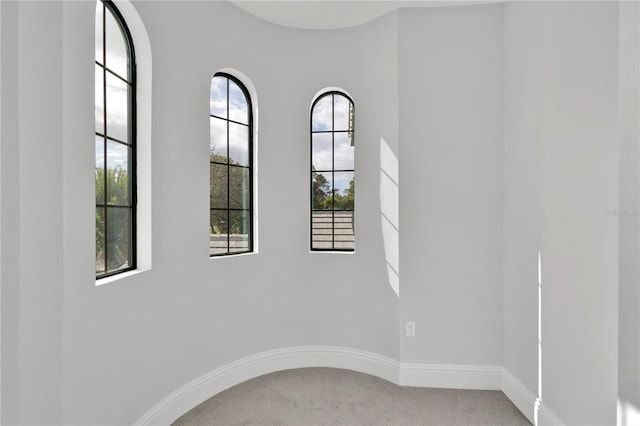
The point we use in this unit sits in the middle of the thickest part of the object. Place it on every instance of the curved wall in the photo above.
(131, 342)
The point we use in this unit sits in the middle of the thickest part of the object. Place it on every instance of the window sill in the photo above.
(110, 279)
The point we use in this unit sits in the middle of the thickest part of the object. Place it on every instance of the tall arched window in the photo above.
(230, 167)
(332, 173)
(115, 116)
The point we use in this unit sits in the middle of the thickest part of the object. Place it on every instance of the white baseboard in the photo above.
(486, 377)
(202, 388)
(519, 395)
(199, 390)
(525, 400)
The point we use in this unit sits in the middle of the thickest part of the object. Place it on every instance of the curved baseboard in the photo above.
(199, 390)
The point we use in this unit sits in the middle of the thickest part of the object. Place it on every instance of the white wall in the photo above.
(504, 120)
(563, 122)
(629, 232)
(451, 184)
(189, 314)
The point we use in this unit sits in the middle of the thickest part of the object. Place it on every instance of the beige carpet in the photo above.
(329, 396)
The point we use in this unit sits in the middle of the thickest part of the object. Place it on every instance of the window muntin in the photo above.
(332, 173)
(115, 154)
(230, 167)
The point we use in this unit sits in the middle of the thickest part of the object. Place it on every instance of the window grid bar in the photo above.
(228, 119)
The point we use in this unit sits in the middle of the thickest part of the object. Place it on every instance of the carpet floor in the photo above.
(329, 396)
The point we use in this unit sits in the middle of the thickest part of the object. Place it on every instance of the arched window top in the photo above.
(332, 172)
(332, 110)
(114, 44)
(231, 167)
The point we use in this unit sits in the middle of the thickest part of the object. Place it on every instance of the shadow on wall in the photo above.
(389, 213)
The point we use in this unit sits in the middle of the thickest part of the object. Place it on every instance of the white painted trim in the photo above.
(525, 401)
(450, 376)
(546, 417)
(518, 393)
(199, 390)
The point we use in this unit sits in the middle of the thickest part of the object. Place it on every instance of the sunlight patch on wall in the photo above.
(536, 407)
(628, 414)
(390, 214)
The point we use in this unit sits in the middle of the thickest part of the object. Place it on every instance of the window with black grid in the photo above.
(230, 167)
(332, 173)
(115, 154)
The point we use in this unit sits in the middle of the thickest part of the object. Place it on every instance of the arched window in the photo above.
(332, 173)
(115, 144)
(230, 167)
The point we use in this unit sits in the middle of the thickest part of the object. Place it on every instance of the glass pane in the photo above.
(118, 238)
(218, 186)
(217, 140)
(321, 117)
(100, 170)
(322, 230)
(99, 96)
(239, 188)
(238, 144)
(116, 47)
(218, 97)
(218, 232)
(344, 188)
(98, 37)
(240, 230)
(100, 242)
(343, 152)
(322, 151)
(321, 191)
(238, 107)
(117, 173)
(117, 108)
(341, 112)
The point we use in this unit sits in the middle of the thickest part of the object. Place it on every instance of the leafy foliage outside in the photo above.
(115, 239)
(237, 196)
(324, 196)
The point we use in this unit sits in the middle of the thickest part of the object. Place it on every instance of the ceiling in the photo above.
(332, 14)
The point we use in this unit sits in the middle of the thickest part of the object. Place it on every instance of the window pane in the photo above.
(98, 35)
(238, 108)
(343, 152)
(99, 96)
(116, 47)
(238, 144)
(218, 97)
(218, 186)
(117, 108)
(240, 229)
(321, 118)
(117, 173)
(343, 185)
(218, 140)
(239, 187)
(322, 151)
(100, 170)
(322, 229)
(322, 190)
(340, 112)
(100, 241)
(218, 232)
(118, 238)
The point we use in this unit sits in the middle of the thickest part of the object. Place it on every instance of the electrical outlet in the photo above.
(410, 328)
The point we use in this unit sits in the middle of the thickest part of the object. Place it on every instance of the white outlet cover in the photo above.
(410, 328)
